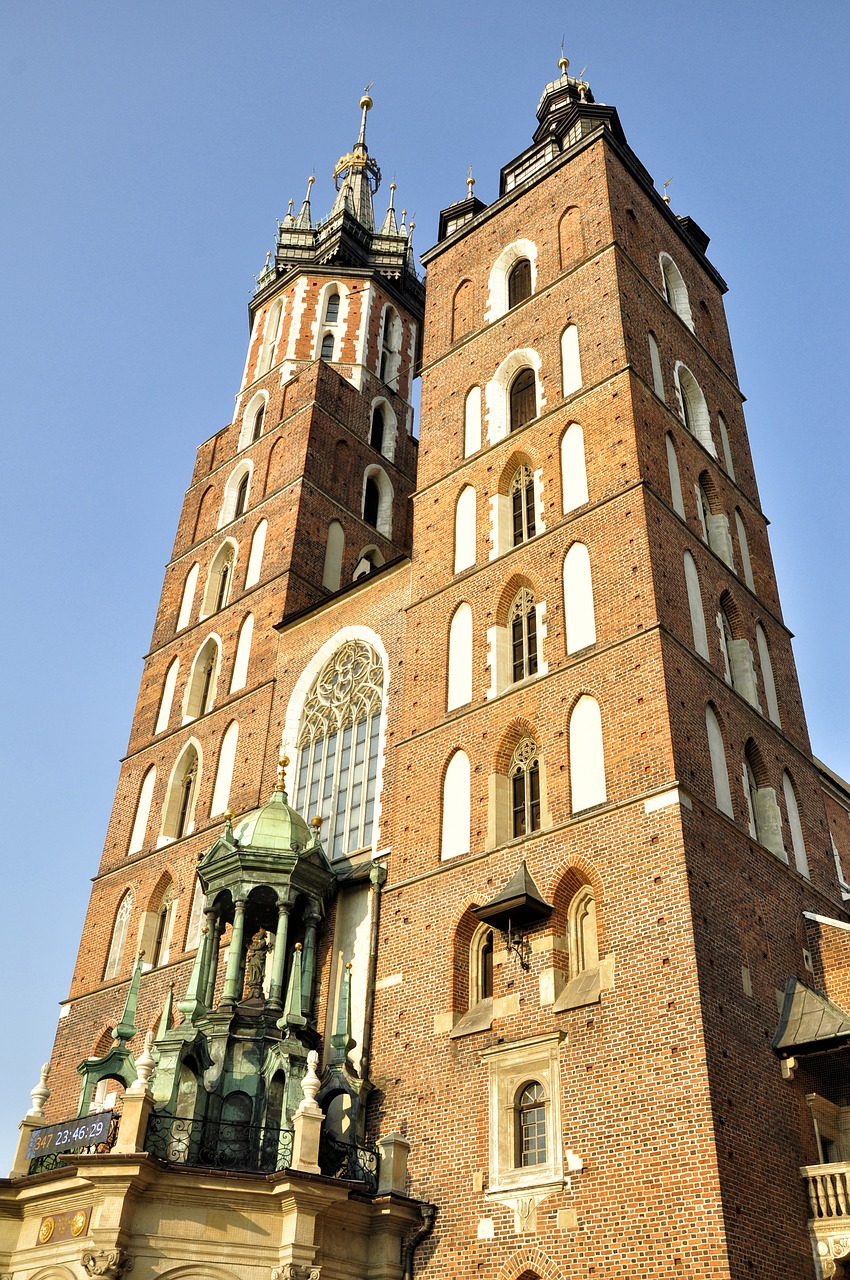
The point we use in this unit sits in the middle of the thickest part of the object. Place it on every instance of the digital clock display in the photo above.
(84, 1131)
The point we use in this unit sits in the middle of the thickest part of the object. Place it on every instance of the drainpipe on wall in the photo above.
(377, 877)
(428, 1214)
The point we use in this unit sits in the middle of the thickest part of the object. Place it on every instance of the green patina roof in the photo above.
(273, 826)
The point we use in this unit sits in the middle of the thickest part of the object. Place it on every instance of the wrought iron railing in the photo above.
(56, 1159)
(354, 1161)
(223, 1144)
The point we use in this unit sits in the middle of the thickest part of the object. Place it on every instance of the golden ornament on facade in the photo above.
(46, 1230)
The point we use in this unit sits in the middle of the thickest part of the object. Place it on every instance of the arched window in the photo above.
(241, 497)
(695, 607)
(188, 597)
(573, 469)
(522, 620)
(371, 502)
(338, 739)
(327, 349)
(727, 449)
(255, 557)
(524, 773)
(675, 481)
(390, 346)
(519, 282)
(378, 500)
(522, 399)
(582, 940)
(763, 814)
(579, 619)
(570, 237)
(465, 522)
(675, 290)
(162, 932)
(530, 1126)
(203, 517)
(587, 756)
(655, 361)
(271, 333)
(498, 283)
(224, 773)
(257, 427)
(767, 675)
(455, 838)
(472, 422)
(143, 809)
(179, 817)
(236, 493)
(570, 360)
(717, 756)
(481, 965)
(119, 937)
(332, 308)
(522, 505)
(459, 684)
(724, 626)
(376, 435)
(167, 698)
(714, 521)
(334, 549)
(243, 654)
(744, 548)
(220, 580)
(798, 844)
(201, 686)
(737, 654)
(694, 410)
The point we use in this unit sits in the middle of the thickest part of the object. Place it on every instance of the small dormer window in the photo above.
(519, 282)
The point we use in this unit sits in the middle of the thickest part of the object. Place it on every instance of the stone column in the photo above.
(231, 992)
(312, 918)
(279, 958)
(215, 929)
(307, 1121)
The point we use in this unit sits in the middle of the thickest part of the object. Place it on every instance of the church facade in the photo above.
(472, 904)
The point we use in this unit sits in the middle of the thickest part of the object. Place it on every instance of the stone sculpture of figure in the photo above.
(255, 965)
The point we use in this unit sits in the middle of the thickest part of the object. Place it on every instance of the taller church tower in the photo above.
(530, 959)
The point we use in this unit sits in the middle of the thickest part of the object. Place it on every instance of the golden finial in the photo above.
(316, 822)
(291, 207)
(268, 259)
(665, 197)
(350, 966)
(563, 62)
(470, 183)
(297, 946)
(229, 815)
(310, 180)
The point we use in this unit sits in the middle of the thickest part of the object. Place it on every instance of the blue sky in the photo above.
(147, 152)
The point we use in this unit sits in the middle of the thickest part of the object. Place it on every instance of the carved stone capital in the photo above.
(292, 1271)
(831, 1253)
(110, 1264)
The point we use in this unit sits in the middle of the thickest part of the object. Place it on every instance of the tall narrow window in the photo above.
(675, 290)
(465, 531)
(167, 698)
(224, 574)
(185, 796)
(143, 809)
(767, 680)
(719, 771)
(188, 597)
(522, 619)
(570, 238)
(259, 418)
(224, 773)
(727, 448)
(327, 351)
(579, 619)
(162, 935)
(523, 399)
(531, 1126)
(573, 468)
(456, 807)
(462, 305)
(337, 765)
(798, 843)
(332, 308)
(655, 361)
(587, 755)
(243, 655)
(119, 937)
(334, 550)
(582, 938)
(519, 282)
(472, 422)
(522, 505)
(744, 548)
(255, 557)
(570, 360)
(271, 333)
(694, 409)
(524, 772)
(695, 607)
(201, 687)
(390, 346)
(371, 502)
(376, 435)
(241, 497)
(459, 691)
(675, 481)
(179, 816)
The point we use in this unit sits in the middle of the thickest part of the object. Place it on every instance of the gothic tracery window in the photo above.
(525, 788)
(337, 767)
(531, 1125)
(119, 935)
(522, 620)
(522, 502)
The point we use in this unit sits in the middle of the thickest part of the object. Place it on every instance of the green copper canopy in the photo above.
(275, 825)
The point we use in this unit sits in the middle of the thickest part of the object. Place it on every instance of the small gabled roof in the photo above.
(809, 1021)
(520, 902)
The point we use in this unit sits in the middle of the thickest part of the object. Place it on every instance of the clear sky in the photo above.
(147, 151)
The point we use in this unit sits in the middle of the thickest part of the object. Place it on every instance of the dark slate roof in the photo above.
(520, 900)
(809, 1020)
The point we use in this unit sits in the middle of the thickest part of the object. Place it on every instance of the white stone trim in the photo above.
(497, 282)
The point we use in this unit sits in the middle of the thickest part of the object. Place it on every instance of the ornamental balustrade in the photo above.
(828, 1186)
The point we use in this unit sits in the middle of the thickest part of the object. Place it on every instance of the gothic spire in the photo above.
(304, 221)
(357, 177)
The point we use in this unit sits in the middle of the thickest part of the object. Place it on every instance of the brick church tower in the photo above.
(469, 872)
